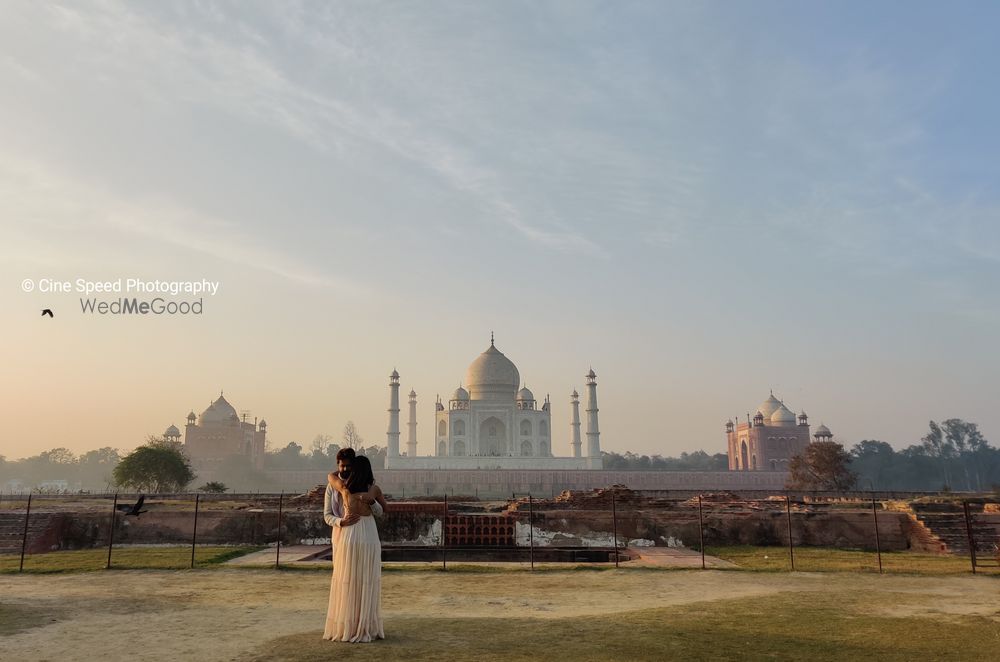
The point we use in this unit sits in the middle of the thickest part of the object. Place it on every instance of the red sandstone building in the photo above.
(771, 439)
(220, 435)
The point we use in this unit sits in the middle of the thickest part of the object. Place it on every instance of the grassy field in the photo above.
(122, 559)
(830, 625)
(257, 615)
(822, 559)
(762, 559)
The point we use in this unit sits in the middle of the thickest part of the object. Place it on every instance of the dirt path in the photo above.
(221, 614)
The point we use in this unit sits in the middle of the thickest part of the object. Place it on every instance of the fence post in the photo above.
(444, 533)
(701, 532)
(111, 531)
(878, 544)
(277, 549)
(194, 534)
(531, 532)
(614, 523)
(972, 539)
(24, 538)
(788, 510)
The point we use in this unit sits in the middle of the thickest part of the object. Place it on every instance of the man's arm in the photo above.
(331, 508)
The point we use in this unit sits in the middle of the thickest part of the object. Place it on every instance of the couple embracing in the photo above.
(352, 499)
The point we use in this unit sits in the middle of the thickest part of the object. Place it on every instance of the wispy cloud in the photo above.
(52, 205)
(239, 74)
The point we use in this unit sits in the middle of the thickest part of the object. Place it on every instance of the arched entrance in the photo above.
(492, 437)
(744, 457)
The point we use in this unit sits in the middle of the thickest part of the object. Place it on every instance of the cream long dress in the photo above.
(355, 610)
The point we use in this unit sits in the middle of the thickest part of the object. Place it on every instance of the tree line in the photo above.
(160, 465)
(953, 455)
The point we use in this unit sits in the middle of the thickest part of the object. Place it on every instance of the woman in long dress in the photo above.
(355, 610)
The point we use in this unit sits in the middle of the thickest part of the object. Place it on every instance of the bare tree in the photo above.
(320, 443)
(351, 437)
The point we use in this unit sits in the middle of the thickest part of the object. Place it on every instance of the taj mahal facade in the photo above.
(495, 423)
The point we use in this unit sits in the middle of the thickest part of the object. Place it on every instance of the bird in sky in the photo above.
(47, 311)
(135, 509)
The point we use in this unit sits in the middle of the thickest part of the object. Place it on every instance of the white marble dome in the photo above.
(460, 394)
(219, 411)
(823, 431)
(492, 376)
(172, 431)
(771, 405)
(782, 416)
(525, 394)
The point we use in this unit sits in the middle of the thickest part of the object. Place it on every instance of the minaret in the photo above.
(411, 426)
(392, 439)
(574, 425)
(593, 433)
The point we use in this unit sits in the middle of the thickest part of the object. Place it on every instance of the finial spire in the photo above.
(491, 339)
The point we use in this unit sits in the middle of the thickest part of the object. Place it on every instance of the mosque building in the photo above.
(219, 435)
(771, 439)
(494, 423)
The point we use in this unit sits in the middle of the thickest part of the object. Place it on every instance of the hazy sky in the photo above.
(701, 200)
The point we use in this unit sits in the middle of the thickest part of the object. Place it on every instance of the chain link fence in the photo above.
(877, 532)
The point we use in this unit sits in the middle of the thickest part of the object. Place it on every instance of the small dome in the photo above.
(525, 394)
(575, 395)
(263, 423)
(591, 374)
(460, 394)
(172, 431)
(191, 416)
(823, 431)
(394, 375)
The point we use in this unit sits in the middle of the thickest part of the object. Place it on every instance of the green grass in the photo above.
(122, 558)
(831, 625)
(822, 559)
(749, 558)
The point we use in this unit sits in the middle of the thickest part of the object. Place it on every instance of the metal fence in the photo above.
(789, 531)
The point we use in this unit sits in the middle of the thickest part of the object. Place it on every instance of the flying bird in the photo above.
(47, 311)
(135, 509)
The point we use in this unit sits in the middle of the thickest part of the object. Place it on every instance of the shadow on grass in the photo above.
(827, 626)
(18, 618)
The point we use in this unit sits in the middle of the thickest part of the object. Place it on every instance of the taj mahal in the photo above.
(495, 423)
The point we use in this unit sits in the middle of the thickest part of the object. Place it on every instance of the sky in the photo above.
(703, 201)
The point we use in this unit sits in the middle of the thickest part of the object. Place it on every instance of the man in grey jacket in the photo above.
(333, 507)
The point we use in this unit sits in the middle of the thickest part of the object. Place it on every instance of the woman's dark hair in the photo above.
(361, 477)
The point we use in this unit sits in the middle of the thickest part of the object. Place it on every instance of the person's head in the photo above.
(361, 477)
(345, 457)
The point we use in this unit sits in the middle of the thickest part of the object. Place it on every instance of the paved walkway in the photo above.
(675, 557)
(298, 554)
